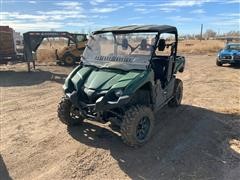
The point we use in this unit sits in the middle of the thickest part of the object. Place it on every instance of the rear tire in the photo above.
(66, 113)
(178, 94)
(137, 125)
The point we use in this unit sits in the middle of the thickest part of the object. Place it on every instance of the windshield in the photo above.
(233, 46)
(121, 51)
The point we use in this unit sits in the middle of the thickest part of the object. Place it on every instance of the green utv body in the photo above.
(124, 78)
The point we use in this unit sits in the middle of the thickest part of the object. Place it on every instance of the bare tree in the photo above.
(233, 33)
(210, 33)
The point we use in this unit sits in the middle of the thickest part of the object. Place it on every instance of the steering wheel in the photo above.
(133, 49)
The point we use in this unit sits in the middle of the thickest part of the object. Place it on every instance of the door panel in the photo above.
(161, 95)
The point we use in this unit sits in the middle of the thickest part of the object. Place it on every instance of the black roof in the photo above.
(139, 28)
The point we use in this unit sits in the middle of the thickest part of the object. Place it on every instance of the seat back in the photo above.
(143, 45)
(161, 44)
(159, 68)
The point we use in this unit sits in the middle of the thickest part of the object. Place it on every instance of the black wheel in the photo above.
(233, 64)
(218, 63)
(178, 94)
(137, 125)
(68, 114)
(69, 60)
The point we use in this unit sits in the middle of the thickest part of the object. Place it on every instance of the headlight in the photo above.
(118, 93)
(226, 57)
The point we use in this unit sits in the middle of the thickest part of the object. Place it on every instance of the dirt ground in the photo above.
(199, 140)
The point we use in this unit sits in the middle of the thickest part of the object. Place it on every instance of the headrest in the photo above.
(143, 45)
(124, 44)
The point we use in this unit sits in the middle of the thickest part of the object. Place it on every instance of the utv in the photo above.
(126, 74)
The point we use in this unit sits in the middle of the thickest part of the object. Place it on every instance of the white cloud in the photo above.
(167, 9)
(198, 11)
(105, 10)
(230, 14)
(184, 3)
(143, 10)
(22, 26)
(167, 6)
(140, 9)
(136, 4)
(70, 5)
(80, 24)
(113, 5)
(134, 18)
(180, 19)
(32, 2)
(98, 16)
(43, 16)
(21, 16)
(40, 20)
(231, 2)
(96, 2)
(63, 13)
(227, 22)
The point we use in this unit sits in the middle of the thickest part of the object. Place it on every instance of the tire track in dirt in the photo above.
(191, 142)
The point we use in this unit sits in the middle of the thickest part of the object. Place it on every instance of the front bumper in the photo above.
(234, 59)
(100, 105)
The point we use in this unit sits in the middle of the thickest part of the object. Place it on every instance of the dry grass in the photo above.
(200, 47)
(235, 145)
(46, 51)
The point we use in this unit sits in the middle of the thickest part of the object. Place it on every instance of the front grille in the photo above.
(90, 96)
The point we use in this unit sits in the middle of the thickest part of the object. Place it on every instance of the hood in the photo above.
(104, 79)
(92, 78)
(229, 52)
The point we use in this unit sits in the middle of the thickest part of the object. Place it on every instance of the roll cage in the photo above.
(164, 67)
(159, 29)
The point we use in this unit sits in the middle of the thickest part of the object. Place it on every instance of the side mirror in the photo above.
(161, 45)
(124, 44)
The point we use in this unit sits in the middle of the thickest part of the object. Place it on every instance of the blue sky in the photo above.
(84, 16)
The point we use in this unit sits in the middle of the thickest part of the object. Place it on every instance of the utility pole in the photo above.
(201, 32)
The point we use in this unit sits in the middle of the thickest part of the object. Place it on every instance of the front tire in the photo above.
(137, 125)
(218, 63)
(67, 113)
(178, 94)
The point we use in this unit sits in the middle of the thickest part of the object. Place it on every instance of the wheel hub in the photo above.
(74, 113)
(69, 60)
(143, 128)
